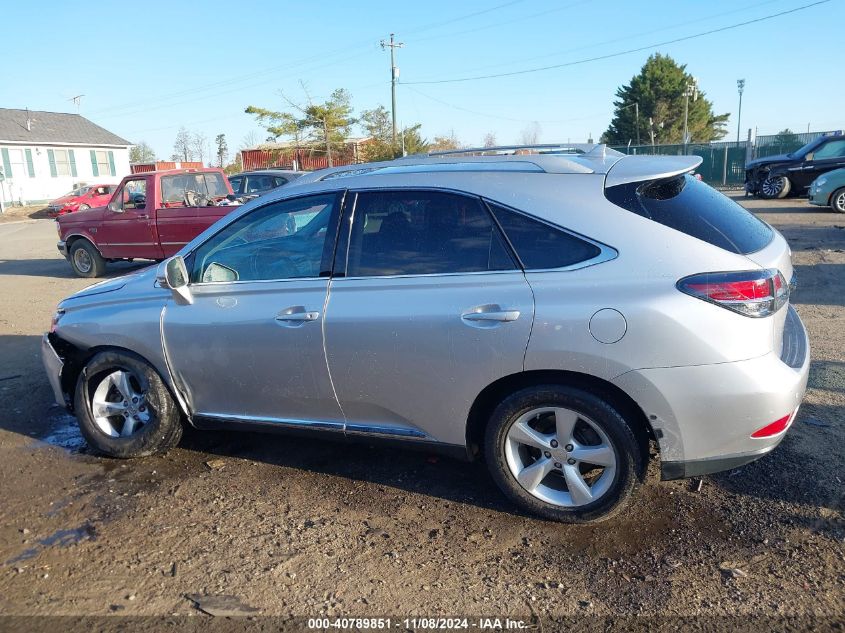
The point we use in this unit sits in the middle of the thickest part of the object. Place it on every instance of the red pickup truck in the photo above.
(150, 216)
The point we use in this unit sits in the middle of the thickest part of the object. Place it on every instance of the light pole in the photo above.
(740, 86)
(691, 90)
(394, 74)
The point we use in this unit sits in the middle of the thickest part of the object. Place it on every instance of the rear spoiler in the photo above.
(640, 168)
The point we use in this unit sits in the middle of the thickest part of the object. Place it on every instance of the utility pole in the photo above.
(394, 75)
(637, 112)
(691, 90)
(740, 86)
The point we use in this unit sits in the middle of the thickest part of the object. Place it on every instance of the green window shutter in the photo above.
(52, 158)
(94, 169)
(29, 168)
(111, 163)
(72, 160)
(7, 166)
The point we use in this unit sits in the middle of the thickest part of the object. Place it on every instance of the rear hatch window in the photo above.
(688, 205)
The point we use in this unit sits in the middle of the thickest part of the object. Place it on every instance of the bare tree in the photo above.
(530, 134)
(199, 143)
(182, 146)
(490, 139)
(249, 141)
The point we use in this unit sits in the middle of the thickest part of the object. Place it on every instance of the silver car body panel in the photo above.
(392, 355)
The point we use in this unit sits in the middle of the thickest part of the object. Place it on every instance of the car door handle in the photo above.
(143, 217)
(296, 314)
(490, 313)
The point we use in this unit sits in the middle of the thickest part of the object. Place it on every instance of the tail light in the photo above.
(753, 293)
(776, 427)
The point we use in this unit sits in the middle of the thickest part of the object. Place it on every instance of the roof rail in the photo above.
(544, 148)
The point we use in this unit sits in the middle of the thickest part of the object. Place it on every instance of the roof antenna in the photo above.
(77, 100)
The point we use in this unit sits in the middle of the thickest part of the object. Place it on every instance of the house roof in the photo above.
(53, 127)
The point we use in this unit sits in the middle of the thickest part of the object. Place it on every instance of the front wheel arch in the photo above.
(490, 397)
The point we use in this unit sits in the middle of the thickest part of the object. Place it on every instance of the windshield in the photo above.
(81, 191)
(798, 153)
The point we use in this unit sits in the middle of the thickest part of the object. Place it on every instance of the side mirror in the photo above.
(231, 197)
(172, 273)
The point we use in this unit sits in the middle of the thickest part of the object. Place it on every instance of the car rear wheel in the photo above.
(775, 187)
(837, 200)
(563, 453)
(86, 260)
(124, 408)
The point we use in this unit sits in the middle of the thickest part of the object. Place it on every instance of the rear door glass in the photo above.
(539, 245)
(688, 205)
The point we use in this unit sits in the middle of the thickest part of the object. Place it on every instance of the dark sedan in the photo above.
(251, 184)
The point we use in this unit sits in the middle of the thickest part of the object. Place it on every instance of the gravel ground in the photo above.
(296, 527)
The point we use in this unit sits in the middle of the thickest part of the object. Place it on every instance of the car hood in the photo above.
(63, 200)
(88, 216)
(142, 278)
(769, 160)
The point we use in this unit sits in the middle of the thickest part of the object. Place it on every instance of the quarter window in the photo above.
(283, 240)
(539, 245)
(423, 232)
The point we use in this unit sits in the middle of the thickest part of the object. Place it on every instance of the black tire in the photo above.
(775, 187)
(86, 260)
(630, 457)
(163, 427)
(837, 200)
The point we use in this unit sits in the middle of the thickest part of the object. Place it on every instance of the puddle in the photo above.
(60, 538)
(65, 434)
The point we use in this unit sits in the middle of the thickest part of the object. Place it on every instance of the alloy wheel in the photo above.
(772, 187)
(119, 404)
(560, 456)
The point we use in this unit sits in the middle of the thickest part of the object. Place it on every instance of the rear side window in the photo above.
(423, 233)
(692, 207)
(539, 245)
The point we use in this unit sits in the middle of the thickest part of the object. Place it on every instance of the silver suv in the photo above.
(551, 313)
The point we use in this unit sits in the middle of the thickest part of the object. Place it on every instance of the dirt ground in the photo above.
(307, 528)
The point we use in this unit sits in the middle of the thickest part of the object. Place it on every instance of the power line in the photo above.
(526, 71)
(436, 25)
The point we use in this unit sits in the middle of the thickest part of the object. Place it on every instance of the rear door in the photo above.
(426, 308)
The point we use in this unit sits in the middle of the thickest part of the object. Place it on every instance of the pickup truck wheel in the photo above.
(775, 187)
(124, 408)
(837, 200)
(86, 260)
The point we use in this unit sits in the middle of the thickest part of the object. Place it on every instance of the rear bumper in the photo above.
(704, 415)
(53, 365)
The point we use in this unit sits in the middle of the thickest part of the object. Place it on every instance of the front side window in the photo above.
(257, 184)
(832, 149)
(133, 195)
(283, 240)
(193, 189)
(539, 245)
(421, 233)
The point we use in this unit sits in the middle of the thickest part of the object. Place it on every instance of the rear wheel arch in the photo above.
(490, 397)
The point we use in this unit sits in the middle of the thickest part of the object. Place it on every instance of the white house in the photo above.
(44, 155)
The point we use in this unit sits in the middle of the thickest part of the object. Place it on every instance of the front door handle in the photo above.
(490, 313)
(296, 315)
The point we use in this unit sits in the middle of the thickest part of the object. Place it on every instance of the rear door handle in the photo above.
(296, 315)
(490, 313)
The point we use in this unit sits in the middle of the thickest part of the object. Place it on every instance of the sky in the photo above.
(145, 69)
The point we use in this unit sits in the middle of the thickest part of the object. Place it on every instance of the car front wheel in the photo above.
(563, 453)
(775, 187)
(837, 200)
(86, 260)
(124, 408)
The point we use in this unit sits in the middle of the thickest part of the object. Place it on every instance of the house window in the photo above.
(62, 162)
(17, 164)
(103, 164)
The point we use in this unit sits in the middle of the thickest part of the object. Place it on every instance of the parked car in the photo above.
(81, 199)
(785, 174)
(551, 314)
(829, 190)
(251, 184)
(149, 216)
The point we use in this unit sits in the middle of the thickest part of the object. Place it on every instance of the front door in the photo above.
(427, 308)
(127, 229)
(829, 156)
(250, 346)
